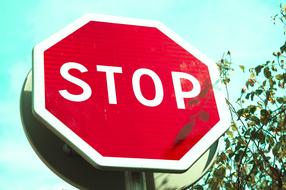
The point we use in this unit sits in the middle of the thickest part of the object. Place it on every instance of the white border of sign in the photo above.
(87, 151)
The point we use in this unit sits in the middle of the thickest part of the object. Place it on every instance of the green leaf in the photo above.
(227, 143)
(252, 96)
(267, 97)
(213, 184)
(229, 186)
(258, 69)
(276, 149)
(279, 77)
(281, 100)
(283, 48)
(270, 141)
(263, 112)
(274, 68)
(251, 123)
(264, 116)
(240, 112)
(233, 126)
(271, 82)
(258, 92)
(267, 72)
(238, 155)
(230, 134)
(247, 96)
(242, 67)
(252, 108)
(198, 187)
(220, 173)
(261, 137)
(264, 83)
(255, 119)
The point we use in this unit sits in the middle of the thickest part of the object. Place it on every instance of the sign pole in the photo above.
(135, 180)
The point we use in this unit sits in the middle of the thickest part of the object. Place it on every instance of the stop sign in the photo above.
(128, 93)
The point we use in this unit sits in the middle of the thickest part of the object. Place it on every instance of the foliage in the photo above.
(255, 144)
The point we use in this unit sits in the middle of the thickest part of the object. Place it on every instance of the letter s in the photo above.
(66, 75)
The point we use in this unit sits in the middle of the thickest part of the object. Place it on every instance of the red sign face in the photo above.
(128, 93)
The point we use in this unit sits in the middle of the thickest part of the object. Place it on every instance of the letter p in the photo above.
(179, 93)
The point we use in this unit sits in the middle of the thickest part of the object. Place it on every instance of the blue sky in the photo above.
(213, 26)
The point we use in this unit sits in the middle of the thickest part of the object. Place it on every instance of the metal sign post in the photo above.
(135, 180)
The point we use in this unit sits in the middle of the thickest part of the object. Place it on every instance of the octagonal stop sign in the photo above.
(128, 93)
